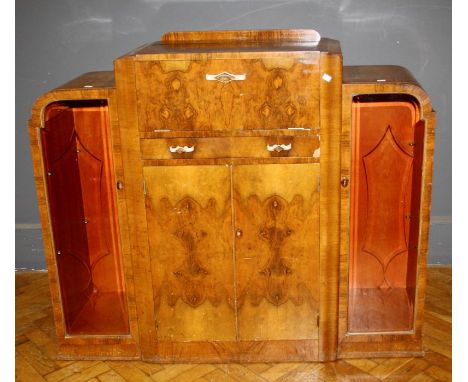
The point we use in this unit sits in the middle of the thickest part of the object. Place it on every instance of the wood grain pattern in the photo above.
(277, 248)
(189, 218)
(383, 174)
(35, 340)
(191, 226)
(330, 124)
(175, 95)
(83, 212)
(232, 147)
(301, 35)
(363, 80)
(113, 346)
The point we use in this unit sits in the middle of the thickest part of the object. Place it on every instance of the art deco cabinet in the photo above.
(236, 196)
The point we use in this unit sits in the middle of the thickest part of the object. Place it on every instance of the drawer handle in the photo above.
(181, 149)
(225, 77)
(279, 148)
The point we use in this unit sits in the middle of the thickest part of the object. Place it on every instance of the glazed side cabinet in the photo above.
(236, 196)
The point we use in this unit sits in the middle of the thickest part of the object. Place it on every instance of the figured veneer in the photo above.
(189, 214)
(196, 202)
(95, 94)
(394, 112)
(276, 216)
(176, 95)
(272, 146)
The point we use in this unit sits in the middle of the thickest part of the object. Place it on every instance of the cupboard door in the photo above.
(387, 151)
(276, 214)
(189, 219)
(83, 212)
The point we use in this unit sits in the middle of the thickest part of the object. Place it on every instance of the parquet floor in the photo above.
(35, 349)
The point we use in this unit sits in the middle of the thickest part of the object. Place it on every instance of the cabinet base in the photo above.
(242, 351)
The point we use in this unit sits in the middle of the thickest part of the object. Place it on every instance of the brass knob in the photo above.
(344, 181)
(238, 232)
(120, 185)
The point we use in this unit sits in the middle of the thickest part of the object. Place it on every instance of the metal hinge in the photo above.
(318, 320)
(318, 183)
(145, 190)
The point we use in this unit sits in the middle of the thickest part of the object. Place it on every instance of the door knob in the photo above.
(238, 232)
(344, 181)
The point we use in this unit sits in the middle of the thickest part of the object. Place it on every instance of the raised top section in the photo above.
(194, 45)
(299, 35)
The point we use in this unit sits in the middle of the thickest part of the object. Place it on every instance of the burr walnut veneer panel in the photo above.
(274, 93)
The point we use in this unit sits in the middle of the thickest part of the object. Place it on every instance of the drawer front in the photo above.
(231, 147)
(228, 94)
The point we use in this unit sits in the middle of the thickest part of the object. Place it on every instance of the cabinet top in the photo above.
(269, 40)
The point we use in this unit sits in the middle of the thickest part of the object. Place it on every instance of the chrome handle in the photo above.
(225, 77)
(181, 149)
(279, 148)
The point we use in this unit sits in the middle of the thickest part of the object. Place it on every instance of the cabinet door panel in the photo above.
(189, 218)
(275, 94)
(277, 250)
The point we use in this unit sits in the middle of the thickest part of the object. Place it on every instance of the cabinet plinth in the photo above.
(235, 196)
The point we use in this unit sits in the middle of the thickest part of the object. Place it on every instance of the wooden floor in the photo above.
(35, 349)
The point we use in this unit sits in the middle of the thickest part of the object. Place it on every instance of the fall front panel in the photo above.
(270, 93)
(78, 164)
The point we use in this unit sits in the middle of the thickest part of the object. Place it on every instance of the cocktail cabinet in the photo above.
(236, 196)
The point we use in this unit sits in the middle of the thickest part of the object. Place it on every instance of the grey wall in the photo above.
(57, 40)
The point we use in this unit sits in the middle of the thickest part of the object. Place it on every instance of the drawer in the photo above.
(228, 94)
(231, 147)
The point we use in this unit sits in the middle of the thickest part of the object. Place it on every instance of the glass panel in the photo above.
(83, 211)
(387, 140)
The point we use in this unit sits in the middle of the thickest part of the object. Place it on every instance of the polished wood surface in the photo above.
(231, 147)
(277, 93)
(378, 74)
(229, 124)
(398, 84)
(227, 153)
(384, 203)
(90, 80)
(117, 346)
(83, 212)
(36, 349)
(276, 220)
(189, 214)
(330, 124)
(236, 43)
(302, 35)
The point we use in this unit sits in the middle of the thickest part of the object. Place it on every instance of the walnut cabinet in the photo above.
(236, 196)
